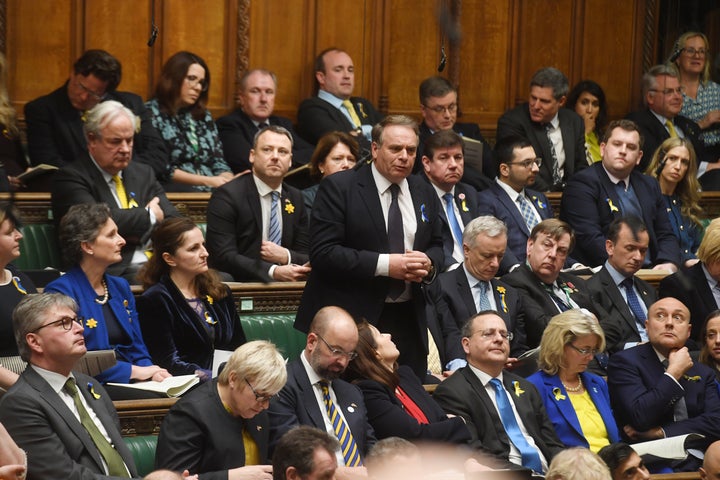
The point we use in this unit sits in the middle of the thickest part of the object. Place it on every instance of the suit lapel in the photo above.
(612, 291)
(253, 198)
(509, 205)
(460, 198)
(288, 213)
(465, 290)
(308, 394)
(564, 405)
(608, 192)
(370, 196)
(487, 404)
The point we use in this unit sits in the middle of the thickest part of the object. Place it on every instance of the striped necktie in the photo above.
(342, 431)
(274, 230)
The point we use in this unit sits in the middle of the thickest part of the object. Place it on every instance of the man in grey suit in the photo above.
(64, 420)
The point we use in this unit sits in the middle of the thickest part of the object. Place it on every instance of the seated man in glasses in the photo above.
(314, 395)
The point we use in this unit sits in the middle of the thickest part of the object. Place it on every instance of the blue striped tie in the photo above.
(274, 233)
(342, 432)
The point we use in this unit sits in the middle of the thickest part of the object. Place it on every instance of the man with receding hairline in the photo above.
(710, 469)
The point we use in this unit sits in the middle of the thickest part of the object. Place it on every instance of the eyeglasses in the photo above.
(584, 351)
(96, 96)
(452, 108)
(258, 397)
(691, 52)
(491, 332)
(194, 81)
(336, 351)
(65, 322)
(527, 163)
(669, 91)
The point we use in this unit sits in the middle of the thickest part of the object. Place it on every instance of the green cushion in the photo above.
(277, 328)
(38, 247)
(143, 451)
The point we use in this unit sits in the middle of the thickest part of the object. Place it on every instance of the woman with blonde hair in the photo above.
(577, 464)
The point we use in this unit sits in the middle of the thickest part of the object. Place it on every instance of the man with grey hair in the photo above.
(108, 174)
(64, 420)
(557, 134)
(256, 101)
(471, 288)
(257, 224)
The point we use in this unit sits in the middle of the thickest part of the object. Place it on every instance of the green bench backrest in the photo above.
(276, 328)
(38, 247)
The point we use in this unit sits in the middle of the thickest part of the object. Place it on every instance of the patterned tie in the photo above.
(274, 231)
(396, 238)
(115, 464)
(483, 302)
(561, 304)
(530, 456)
(671, 129)
(452, 219)
(353, 114)
(635, 307)
(262, 125)
(680, 408)
(557, 179)
(527, 212)
(342, 431)
(120, 190)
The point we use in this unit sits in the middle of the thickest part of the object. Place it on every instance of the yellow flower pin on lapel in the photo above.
(289, 207)
(91, 323)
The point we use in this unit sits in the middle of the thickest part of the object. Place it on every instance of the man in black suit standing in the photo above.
(334, 108)
(439, 108)
(55, 121)
(376, 236)
(256, 224)
(443, 164)
(64, 420)
(503, 411)
(257, 101)
(557, 134)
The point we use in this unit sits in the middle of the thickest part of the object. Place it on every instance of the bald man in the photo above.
(710, 469)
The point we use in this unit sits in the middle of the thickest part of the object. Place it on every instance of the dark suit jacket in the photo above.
(691, 288)
(643, 396)
(296, 405)
(82, 182)
(237, 132)
(654, 133)
(590, 203)
(561, 412)
(348, 233)
(606, 294)
(316, 117)
(517, 122)
(199, 435)
(496, 202)
(57, 444)
(463, 394)
(389, 418)
(55, 135)
(234, 229)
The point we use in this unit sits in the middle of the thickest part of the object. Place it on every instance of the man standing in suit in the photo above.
(443, 164)
(55, 121)
(613, 188)
(256, 224)
(65, 421)
(557, 134)
(657, 390)
(509, 199)
(459, 294)
(334, 108)
(106, 173)
(625, 297)
(256, 104)
(376, 236)
(314, 394)
(439, 107)
(503, 411)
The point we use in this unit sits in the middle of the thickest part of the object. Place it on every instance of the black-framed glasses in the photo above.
(452, 108)
(584, 351)
(65, 322)
(692, 52)
(194, 81)
(336, 351)
(528, 163)
(258, 397)
(491, 332)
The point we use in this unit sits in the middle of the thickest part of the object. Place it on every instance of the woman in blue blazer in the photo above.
(576, 401)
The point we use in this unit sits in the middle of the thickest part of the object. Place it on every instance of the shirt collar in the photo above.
(484, 377)
(711, 281)
(311, 373)
(509, 190)
(104, 174)
(660, 118)
(330, 98)
(383, 183)
(56, 380)
(617, 277)
(615, 179)
(263, 188)
(555, 122)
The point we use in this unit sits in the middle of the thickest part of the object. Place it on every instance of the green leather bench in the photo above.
(38, 247)
(143, 451)
(276, 328)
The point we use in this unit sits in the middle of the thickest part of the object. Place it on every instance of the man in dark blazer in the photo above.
(443, 167)
(517, 169)
(138, 207)
(256, 103)
(653, 401)
(55, 121)
(365, 263)
(613, 188)
(439, 108)
(626, 246)
(330, 346)
(542, 121)
(39, 411)
(335, 77)
(240, 217)
(467, 393)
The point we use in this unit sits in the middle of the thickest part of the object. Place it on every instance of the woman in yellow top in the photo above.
(587, 99)
(577, 402)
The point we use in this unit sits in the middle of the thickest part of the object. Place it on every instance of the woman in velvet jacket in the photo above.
(186, 312)
(397, 404)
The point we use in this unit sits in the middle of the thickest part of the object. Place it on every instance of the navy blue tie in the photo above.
(635, 307)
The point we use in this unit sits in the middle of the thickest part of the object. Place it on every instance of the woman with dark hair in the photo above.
(674, 164)
(397, 404)
(587, 99)
(90, 241)
(186, 312)
(710, 351)
(334, 152)
(179, 113)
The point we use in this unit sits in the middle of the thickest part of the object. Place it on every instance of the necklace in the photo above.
(104, 299)
(575, 389)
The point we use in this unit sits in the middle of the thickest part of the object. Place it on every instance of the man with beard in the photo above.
(314, 395)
